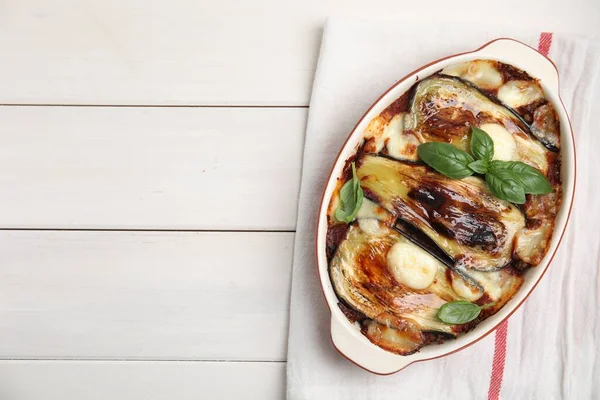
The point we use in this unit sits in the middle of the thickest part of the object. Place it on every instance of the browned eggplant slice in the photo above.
(370, 280)
(516, 90)
(461, 216)
(443, 108)
(546, 126)
(363, 278)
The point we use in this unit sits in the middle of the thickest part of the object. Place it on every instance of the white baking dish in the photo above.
(346, 336)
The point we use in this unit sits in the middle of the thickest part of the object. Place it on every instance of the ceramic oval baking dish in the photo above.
(346, 337)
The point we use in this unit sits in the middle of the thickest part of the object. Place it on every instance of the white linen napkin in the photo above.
(550, 348)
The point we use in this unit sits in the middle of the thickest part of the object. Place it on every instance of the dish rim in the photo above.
(558, 234)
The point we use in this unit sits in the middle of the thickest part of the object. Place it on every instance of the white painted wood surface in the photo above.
(93, 380)
(210, 52)
(150, 168)
(144, 295)
(114, 313)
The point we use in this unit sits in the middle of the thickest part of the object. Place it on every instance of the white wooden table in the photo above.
(150, 161)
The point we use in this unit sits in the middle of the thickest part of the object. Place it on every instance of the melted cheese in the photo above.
(481, 73)
(400, 144)
(505, 147)
(402, 341)
(464, 290)
(412, 266)
(520, 93)
(369, 216)
(373, 227)
(531, 244)
(368, 209)
(492, 282)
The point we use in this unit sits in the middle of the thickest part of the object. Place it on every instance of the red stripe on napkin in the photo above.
(498, 363)
(502, 331)
(545, 43)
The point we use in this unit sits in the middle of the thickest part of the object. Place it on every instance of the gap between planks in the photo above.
(143, 360)
(156, 105)
(149, 230)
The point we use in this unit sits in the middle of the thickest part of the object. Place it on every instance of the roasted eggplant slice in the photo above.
(364, 279)
(443, 109)
(546, 126)
(398, 288)
(517, 91)
(461, 216)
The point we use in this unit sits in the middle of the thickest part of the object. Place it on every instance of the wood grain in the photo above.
(150, 168)
(144, 295)
(261, 52)
(147, 296)
(93, 380)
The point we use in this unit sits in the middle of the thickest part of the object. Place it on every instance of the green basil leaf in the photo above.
(482, 145)
(351, 198)
(479, 166)
(458, 312)
(347, 202)
(446, 159)
(504, 185)
(532, 180)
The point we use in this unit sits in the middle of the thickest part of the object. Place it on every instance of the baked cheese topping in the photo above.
(412, 266)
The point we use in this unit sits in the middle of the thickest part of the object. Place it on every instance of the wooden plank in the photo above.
(207, 52)
(152, 52)
(94, 380)
(150, 168)
(144, 295)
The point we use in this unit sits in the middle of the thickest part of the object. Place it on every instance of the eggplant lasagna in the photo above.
(385, 265)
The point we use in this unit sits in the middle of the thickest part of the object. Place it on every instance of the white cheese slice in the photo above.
(481, 73)
(373, 227)
(531, 243)
(505, 147)
(374, 131)
(400, 144)
(369, 216)
(492, 282)
(464, 290)
(412, 266)
(519, 93)
(369, 209)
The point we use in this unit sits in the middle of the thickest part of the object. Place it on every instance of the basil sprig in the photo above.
(507, 180)
(351, 198)
(460, 312)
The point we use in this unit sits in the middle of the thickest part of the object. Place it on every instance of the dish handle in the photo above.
(357, 348)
